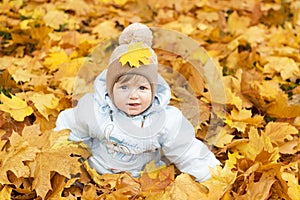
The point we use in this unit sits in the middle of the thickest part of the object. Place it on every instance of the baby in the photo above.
(127, 121)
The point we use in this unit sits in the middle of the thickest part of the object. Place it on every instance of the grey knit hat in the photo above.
(134, 33)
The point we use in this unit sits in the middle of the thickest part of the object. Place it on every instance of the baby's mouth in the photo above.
(133, 104)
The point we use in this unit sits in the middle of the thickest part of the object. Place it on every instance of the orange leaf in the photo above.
(156, 179)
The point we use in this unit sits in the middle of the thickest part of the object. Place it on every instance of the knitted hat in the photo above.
(131, 35)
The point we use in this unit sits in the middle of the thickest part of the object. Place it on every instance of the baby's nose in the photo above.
(133, 93)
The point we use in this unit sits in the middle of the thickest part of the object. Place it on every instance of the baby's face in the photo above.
(133, 96)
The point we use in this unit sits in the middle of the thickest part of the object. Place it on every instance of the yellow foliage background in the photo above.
(50, 55)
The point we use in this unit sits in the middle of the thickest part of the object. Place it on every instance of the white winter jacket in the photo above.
(120, 143)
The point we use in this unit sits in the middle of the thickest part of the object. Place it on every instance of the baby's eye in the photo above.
(143, 88)
(123, 87)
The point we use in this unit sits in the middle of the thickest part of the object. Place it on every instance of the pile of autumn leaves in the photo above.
(255, 46)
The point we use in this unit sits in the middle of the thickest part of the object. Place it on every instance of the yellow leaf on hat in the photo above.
(136, 54)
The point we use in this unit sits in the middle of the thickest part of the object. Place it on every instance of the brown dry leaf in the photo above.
(104, 180)
(290, 147)
(233, 159)
(233, 99)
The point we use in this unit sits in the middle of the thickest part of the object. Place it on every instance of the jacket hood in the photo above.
(161, 98)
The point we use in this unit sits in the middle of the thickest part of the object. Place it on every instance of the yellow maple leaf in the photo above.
(293, 185)
(105, 29)
(104, 180)
(15, 106)
(233, 99)
(259, 189)
(184, 187)
(14, 159)
(240, 119)
(56, 59)
(280, 131)
(238, 24)
(232, 159)
(136, 54)
(287, 67)
(54, 18)
(259, 147)
(220, 182)
(5, 192)
(53, 156)
(222, 138)
(45, 103)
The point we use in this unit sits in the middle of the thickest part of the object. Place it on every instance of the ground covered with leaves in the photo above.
(255, 45)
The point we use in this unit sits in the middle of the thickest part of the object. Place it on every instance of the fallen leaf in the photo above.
(279, 132)
(155, 179)
(5, 192)
(238, 24)
(55, 18)
(294, 187)
(259, 189)
(220, 182)
(55, 59)
(105, 180)
(46, 104)
(287, 67)
(222, 138)
(184, 187)
(15, 106)
(13, 159)
(126, 187)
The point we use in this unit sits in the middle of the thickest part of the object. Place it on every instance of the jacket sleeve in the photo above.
(76, 119)
(182, 148)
